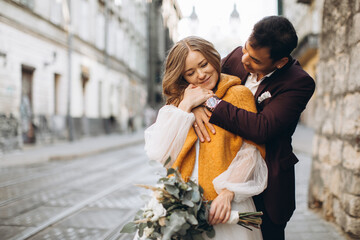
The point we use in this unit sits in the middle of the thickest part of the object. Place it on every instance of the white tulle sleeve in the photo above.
(167, 135)
(246, 176)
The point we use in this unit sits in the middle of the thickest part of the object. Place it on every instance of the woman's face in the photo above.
(199, 71)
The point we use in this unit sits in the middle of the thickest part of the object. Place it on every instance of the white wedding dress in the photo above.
(246, 175)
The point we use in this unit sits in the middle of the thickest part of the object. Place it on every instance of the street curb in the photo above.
(94, 152)
(68, 151)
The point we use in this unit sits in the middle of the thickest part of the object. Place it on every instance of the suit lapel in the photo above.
(273, 76)
(244, 77)
(262, 87)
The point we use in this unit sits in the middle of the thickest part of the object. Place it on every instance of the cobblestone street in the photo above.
(85, 191)
(306, 224)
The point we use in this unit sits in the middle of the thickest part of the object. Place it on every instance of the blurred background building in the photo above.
(70, 69)
(306, 16)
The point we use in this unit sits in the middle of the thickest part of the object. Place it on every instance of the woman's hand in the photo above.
(202, 116)
(194, 96)
(220, 208)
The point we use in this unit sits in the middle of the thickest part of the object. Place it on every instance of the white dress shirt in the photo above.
(252, 83)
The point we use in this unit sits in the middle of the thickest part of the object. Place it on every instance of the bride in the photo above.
(230, 169)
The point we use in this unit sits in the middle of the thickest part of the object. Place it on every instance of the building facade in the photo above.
(163, 19)
(306, 16)
(70, 69)
(335, 178)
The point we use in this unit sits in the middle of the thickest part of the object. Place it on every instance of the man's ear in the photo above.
(280, 63)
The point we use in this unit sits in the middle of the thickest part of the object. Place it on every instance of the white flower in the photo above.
(148, 213)
(156, 208)
(264, 96)
(148, 231)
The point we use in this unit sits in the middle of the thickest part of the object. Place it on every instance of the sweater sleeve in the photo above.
(246, 176)
(167, 135)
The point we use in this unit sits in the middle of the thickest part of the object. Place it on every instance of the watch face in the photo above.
(211, 102)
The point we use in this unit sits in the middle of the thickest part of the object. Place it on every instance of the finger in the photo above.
(215, 217)
(208, 95)
(227, 217)
(211, 127)
(203, 130)
(198, 132)
(208, 113)
(221, 216)
(211, 215)
(217, 208)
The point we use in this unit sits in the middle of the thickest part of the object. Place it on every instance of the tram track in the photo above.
(73, 177)
(112, 234)
(46, 172)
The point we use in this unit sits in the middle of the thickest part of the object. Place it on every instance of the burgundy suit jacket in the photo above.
(291, 88)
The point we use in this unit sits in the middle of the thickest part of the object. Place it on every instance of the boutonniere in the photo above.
(264, 96)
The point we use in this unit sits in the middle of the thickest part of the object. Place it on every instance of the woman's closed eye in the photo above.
(189, 74)
(204, 65)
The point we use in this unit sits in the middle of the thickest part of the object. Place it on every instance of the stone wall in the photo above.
(335, 177)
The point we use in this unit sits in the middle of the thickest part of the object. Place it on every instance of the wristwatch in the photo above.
(212, 102)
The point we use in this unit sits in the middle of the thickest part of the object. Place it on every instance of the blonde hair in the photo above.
(173, 82)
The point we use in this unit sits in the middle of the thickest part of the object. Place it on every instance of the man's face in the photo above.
(257, 61)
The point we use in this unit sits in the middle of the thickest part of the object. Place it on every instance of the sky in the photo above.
(214, 14)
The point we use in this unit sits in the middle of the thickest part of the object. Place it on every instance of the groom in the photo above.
(281, 89)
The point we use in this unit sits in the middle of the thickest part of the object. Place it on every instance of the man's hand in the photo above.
(202, 116)
(220, 209)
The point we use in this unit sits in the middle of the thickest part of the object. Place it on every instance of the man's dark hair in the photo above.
(276, 33)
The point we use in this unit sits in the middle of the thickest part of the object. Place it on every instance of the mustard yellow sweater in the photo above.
(216, 156)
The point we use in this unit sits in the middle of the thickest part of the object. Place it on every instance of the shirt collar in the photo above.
(267, 75)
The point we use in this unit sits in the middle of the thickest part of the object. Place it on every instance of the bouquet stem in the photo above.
(250, 219)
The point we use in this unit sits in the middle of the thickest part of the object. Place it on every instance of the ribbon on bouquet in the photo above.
(234, 218)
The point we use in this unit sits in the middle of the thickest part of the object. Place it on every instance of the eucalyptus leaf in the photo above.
(129, 228)
(187, 202)
(177, 220)
(201, 190)
(184, 229)
(195, 197)
(164, 179)
(192, 220)
(139, 215)
(173, 206)
(142, 226)
(170, 182)
(197, 237)
(211, 234)
(167, 161)
(173, 190)
(170, 171)
(188, 195)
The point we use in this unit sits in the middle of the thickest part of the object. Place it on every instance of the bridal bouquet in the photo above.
(177, 210)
